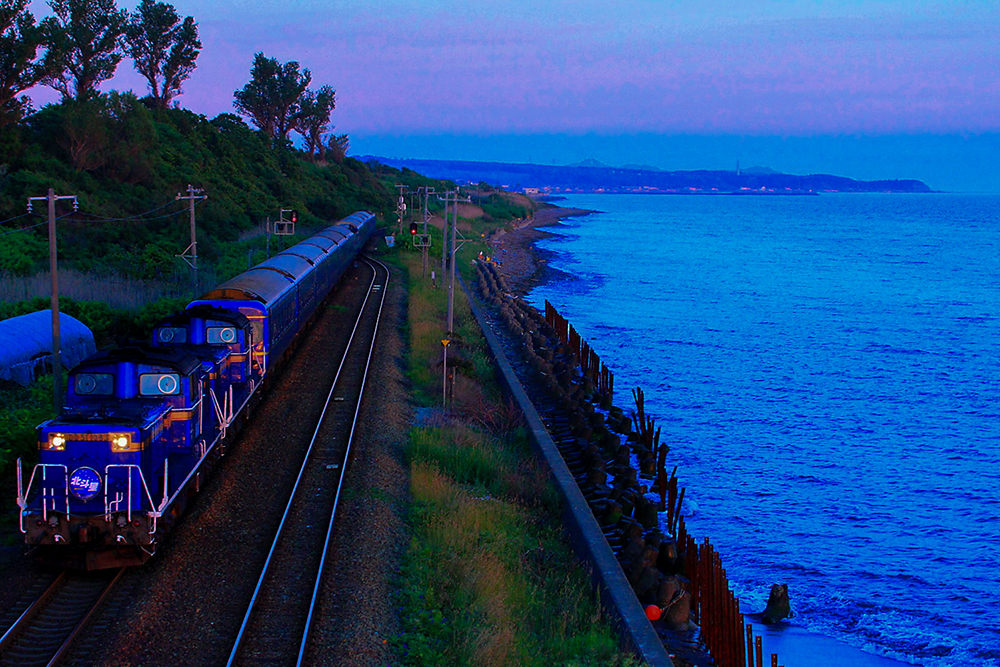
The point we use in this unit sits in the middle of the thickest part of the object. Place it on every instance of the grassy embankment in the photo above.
(489, 578)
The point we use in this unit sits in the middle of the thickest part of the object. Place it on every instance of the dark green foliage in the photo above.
(107, 324)
(162, 47)
(84, 38)
(313, 119)
(122, 159)
(271, 98)
(21, 410)
(20, 68)
(498, 206)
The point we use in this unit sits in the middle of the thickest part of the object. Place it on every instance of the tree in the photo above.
(86, 36)
(337, 145)
(163, 47)
(271, 98)
(20, 67)
(313, 118)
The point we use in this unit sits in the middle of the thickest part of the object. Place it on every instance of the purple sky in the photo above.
(484, 68)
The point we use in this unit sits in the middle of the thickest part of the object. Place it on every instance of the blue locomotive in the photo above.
(144, 422)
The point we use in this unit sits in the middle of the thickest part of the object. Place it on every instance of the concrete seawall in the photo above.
(588, 541)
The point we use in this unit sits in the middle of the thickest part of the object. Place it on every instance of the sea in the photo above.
(825, 372)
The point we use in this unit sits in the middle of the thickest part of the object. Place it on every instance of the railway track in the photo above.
(276, 625)
(51, 626)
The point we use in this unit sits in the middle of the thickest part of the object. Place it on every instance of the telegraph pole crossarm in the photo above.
(52, 198)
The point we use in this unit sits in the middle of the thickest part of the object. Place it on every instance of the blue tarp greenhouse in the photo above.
(26, 345)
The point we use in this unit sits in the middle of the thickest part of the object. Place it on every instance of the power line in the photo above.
(17, 217)
(22, 229)
(94, 218)
(137, 216)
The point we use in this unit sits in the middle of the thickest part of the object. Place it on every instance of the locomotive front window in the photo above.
(94, 384)
(159, 384)
(225, 335)
(172, 335)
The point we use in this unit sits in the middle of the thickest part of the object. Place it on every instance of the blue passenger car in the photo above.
(270, 293)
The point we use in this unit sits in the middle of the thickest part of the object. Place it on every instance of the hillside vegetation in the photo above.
(127, 163)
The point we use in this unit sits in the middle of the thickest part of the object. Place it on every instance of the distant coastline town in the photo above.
(591, 177)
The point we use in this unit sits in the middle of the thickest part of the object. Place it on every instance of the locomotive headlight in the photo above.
(57, 442)
(121, 442)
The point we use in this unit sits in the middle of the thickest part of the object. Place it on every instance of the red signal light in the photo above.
(413, 228)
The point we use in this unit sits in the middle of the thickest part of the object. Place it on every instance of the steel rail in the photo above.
(85, 621)
(44, 603)
(292, 496)
(24, 620)
(343, 468)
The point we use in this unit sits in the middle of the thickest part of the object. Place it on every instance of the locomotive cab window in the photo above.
(159, 384)
(172, 335)
(94, 384)
(225, 335)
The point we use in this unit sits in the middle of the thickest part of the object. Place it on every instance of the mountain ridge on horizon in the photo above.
(594, 176)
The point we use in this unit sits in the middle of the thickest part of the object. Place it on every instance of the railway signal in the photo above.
(286, 227)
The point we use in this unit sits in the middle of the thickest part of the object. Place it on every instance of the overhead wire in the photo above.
(93, 218)
(137, 216)
(23, 229)
(16, 217)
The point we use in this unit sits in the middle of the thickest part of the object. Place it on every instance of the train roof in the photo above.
(136, 413)
(358, 219)
(141, 353)
(336, 233)
(310, 252)
(291, 265)
(322, 242)
(268, 281)
(257, 284)
(206, 312)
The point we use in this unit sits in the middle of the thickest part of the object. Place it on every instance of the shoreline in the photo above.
(523, 264)
(525, 267)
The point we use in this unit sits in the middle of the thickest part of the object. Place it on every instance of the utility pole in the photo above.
(51, 198)
(193, 195)
(423, 241)
(444, 233)
(452, 196)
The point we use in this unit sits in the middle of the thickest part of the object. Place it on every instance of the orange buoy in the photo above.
(653, 612)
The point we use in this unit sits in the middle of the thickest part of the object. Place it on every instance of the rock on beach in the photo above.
(523, 265)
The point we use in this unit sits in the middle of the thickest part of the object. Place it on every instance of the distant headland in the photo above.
(591, 176)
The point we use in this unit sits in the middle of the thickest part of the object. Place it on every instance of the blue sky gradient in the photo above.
(796, 85)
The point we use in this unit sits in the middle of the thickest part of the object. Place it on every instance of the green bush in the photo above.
(21, 410)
